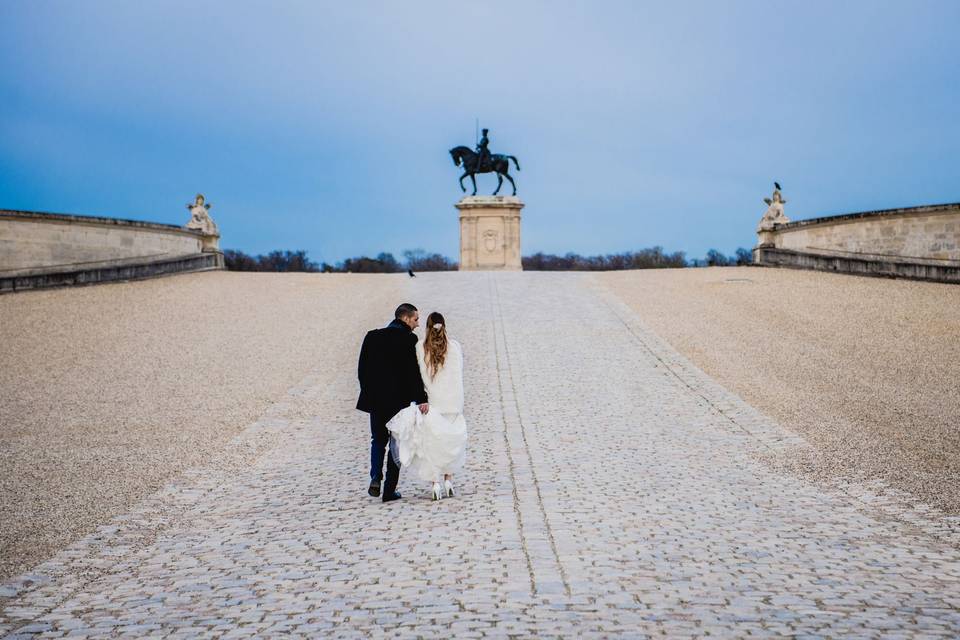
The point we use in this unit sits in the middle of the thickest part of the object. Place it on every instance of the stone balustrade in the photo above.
(913, 242)
(50, 249)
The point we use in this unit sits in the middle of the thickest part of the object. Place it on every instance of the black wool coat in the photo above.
(388, 371)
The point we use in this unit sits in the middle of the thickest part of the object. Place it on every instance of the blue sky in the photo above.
(325, 125)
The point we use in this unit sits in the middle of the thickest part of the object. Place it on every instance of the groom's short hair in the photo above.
(404, 311)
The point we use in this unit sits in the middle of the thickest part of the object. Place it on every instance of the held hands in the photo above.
(424, 408)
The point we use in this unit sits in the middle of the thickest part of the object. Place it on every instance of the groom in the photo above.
(389, 382)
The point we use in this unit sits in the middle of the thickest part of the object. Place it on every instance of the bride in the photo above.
(434, 445)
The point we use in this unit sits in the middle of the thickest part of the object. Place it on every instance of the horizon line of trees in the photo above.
(420, 260)
(286, 261)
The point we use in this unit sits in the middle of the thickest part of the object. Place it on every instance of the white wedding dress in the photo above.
(434, 444)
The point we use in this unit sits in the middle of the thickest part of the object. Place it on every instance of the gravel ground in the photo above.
(866, 369)
(109, 391)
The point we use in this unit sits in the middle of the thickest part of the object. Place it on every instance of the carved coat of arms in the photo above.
(490, 240)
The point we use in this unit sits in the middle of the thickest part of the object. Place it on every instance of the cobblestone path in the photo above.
(611, 489)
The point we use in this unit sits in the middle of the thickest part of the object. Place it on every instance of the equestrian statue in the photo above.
(482, 161)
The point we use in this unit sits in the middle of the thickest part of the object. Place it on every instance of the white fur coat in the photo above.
(445, 390)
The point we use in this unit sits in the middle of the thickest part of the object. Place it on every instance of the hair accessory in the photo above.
(438, 326)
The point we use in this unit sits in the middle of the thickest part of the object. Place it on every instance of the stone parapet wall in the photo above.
(31, 241)
(116, 273)
(51, 249)
(892, 242)
(858, 266)
(927, 233)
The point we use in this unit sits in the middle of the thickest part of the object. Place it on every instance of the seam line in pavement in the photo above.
(940, 527)
(506, 439)
(500, 336)
(676, 375)
(83, 554)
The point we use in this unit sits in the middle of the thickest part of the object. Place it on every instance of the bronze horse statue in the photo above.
(496, 163)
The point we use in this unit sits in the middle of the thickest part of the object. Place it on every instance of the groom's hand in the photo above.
(424, 408)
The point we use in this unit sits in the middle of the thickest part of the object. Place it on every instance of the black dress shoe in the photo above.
(396, 496)
(374, 489)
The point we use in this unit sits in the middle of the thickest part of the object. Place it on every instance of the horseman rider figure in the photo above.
(482, 151)
(483, 161)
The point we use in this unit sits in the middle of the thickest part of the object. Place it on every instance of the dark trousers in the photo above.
(380, 449)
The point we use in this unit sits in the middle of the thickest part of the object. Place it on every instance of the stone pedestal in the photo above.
(766, 239)
(490, 233)
(210, 243)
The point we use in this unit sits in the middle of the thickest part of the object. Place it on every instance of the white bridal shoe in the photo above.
(448, 488)
(436, 490)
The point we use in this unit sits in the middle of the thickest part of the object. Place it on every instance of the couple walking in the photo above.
(413, 392)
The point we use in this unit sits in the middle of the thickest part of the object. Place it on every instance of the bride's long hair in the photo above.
(435, 343)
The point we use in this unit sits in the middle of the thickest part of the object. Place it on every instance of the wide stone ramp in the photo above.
(611, 489)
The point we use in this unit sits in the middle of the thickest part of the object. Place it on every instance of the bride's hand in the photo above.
(424, 408)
